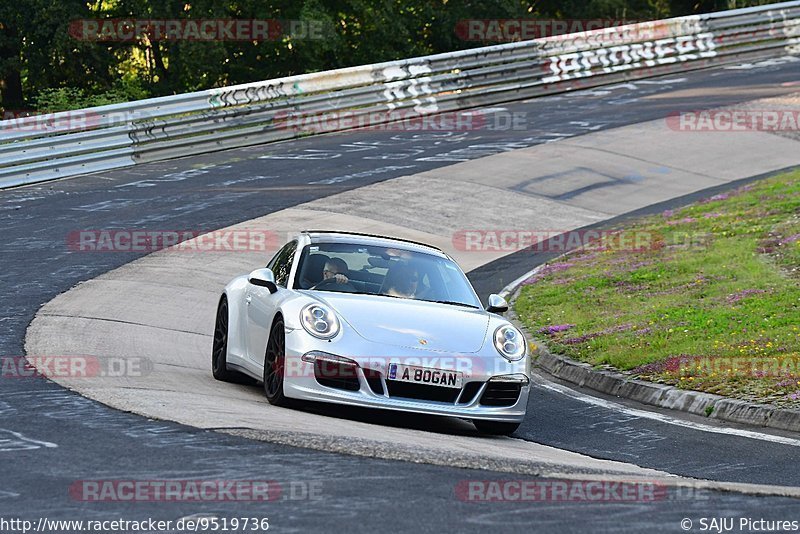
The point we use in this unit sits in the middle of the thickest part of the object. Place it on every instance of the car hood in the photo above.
(411, 323)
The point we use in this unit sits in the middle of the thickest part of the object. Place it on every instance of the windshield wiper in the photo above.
(463, 304)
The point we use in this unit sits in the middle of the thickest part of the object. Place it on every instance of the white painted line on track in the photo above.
(510, 288)
(485, 110)
(588, 399)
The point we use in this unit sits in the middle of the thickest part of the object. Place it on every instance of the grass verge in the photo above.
(705, 297)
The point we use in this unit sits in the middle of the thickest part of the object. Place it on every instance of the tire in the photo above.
(274, 361)
(495, 428)
(219, 350)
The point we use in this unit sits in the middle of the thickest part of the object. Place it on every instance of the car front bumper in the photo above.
(481, 370)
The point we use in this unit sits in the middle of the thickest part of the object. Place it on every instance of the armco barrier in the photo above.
(121, 135)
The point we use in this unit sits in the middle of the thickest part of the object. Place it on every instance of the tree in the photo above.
(40, 56)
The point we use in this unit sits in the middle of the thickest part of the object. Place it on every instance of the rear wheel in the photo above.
(219, 350)
(497, 428)
(274, 365)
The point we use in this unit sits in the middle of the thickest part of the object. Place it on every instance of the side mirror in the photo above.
(497, 304)
(263, 278)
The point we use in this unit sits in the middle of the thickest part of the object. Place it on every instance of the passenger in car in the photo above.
(402, 280)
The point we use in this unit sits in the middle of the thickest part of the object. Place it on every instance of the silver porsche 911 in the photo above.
(374, 322)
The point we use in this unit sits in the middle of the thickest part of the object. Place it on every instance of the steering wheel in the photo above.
(324, 283)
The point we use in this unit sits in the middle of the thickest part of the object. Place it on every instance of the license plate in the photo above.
(425, 375)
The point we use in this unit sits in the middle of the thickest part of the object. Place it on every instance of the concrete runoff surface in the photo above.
(162, 307)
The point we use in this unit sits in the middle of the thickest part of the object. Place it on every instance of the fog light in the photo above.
(518, 378)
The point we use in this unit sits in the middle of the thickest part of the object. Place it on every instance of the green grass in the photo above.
(710, 302)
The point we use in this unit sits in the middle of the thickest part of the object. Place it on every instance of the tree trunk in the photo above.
(161, 69)
(11, 90)
(11, 96)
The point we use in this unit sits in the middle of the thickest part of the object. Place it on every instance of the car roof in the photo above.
(334, 236)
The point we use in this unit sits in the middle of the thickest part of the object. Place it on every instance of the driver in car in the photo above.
(334, 270)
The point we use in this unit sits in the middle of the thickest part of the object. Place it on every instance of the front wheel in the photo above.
(496, 428)
(274, 365)
(219, 350)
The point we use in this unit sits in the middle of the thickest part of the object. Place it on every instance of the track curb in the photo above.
(694, 402)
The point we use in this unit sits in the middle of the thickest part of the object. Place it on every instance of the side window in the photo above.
(281, 264)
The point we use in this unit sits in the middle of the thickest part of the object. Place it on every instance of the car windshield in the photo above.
(385, 271)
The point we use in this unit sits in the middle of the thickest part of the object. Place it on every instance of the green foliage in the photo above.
(66, 98)
(41, 63)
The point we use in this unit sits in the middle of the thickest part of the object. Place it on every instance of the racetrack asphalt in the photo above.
(95, 442)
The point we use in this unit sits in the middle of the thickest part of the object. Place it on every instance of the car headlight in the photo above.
(509, 342)
(319, 321)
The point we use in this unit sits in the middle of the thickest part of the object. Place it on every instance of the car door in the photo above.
(261, 305)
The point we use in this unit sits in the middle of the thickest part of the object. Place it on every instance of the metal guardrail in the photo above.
(122, 135)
